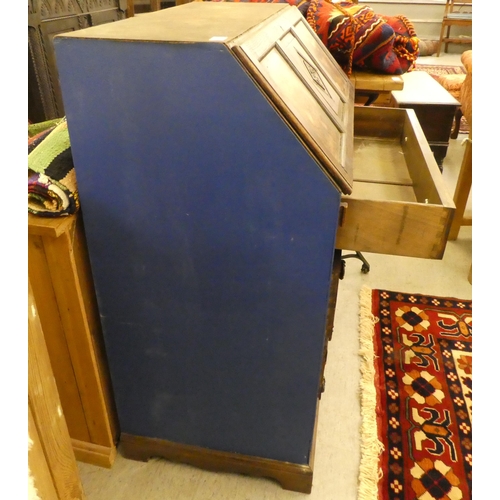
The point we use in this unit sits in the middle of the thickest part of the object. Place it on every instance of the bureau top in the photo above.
(189, 23)
(271, 42)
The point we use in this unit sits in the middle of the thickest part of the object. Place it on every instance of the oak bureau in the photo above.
(222, 166)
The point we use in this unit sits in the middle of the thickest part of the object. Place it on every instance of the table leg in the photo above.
(462, 191)
(439, 154)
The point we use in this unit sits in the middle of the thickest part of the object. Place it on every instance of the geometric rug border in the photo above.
(370, 471)
(372, 442)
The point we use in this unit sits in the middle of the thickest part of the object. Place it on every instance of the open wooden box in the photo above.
(399, 204)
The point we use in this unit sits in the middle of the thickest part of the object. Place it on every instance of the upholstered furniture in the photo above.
(466, 90)
(453, 84)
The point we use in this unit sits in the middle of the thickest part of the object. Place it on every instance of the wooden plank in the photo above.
(380, 191)
(66, 282)
(47, 412)
(48, 226)
(427, 179)
(366, 81)
(380, 161)
(462, 191)
(130, 8)
(294, 477)
(90, 453)
(38, 467)
(109, 418)
(381, 123)
(55, 338)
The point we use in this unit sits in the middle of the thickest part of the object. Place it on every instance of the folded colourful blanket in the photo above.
(357, 37)
(52, 186)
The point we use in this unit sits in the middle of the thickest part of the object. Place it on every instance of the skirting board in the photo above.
(293, 477)
(90, 453)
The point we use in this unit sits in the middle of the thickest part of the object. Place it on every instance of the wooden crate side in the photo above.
(371, 121)
(64, 276)
(428, 182)
(55, 339)
(82, 261)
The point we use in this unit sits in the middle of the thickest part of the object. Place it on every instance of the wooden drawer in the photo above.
(399, 204)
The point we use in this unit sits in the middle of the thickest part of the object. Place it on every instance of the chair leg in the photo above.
(462, 191)
(441, 36)
(365, 268)
(130, 8)
(448, 30)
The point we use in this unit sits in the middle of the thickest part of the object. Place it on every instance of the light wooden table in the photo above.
(59, 272)
(374, 88)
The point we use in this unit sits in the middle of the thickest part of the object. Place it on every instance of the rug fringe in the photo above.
(371, 447)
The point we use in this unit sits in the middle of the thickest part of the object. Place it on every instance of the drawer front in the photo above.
(399, 204)
(395, 228)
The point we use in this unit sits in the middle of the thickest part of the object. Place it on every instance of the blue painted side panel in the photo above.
(211, 234)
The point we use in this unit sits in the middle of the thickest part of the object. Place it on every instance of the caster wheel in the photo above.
(365, 269)
(342, 270)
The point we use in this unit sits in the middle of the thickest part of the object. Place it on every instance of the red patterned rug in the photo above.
(416, 397)
(436, 71)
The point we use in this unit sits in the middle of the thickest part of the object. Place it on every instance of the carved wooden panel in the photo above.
(47, 18)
